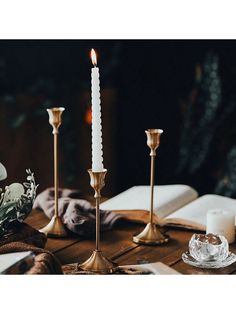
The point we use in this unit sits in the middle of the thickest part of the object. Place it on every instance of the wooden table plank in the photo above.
(37, 220)
(113, 243)
(117, 244)
(175, 256)
(151, 254)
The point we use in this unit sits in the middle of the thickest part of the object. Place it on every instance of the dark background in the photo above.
(185, 87)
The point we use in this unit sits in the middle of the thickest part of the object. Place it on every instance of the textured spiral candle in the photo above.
(97, 159)
(97, 262)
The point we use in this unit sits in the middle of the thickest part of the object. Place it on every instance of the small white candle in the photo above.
(97, 159)
(221, 222)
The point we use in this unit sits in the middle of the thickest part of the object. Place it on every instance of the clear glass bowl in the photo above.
(208, 247)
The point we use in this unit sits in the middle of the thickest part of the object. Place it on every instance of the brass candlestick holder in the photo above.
(97, 262)
(55, 227)
(151, 235)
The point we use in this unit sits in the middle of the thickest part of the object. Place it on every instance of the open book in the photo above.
(177, 205)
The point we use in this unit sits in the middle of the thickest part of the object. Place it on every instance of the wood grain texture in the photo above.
(117, 244)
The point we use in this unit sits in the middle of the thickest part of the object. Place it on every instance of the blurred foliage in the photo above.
(200, 117)
(226, 184)
(207, 150)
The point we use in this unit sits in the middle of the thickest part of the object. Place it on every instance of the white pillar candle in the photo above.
(221, 222)
(97, 159)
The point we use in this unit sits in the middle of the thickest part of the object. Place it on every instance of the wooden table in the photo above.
(117, 244)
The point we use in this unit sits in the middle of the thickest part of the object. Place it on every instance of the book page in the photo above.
(194, 214)
(9, 260)
(157, 268)
(167, 199)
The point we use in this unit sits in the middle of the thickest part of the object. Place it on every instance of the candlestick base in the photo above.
(150, 235)
(55, 228)
(97, 263)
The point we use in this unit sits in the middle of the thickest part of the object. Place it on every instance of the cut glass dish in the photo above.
(208, 251)
(188, 259)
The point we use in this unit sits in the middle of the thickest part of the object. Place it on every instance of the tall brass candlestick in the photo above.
(55, 227)
(151, 235)
(97, 262)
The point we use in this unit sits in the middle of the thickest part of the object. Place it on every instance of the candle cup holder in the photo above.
(97, 262)
(151, 235)
(55, 227)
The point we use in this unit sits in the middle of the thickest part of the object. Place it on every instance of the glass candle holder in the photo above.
(208, 247)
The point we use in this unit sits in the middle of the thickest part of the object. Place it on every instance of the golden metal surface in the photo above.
(153, 139)
(55, 119)
(97, 181)
(98, 263)
(151, 235)
(55, 228)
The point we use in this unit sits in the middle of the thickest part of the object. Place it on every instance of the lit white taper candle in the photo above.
(97, 159)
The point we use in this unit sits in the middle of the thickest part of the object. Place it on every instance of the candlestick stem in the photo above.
(151, 235)
(55, 227)
(97, 224)
(152, 186)
(97, 262)
(56, 172)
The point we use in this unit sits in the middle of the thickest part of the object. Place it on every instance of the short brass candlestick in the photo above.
(97, 262)
(151, 235)
(55, 227)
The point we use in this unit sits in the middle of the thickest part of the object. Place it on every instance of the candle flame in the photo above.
(93, 57)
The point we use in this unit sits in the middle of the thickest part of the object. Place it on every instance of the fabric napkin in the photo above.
(78, 215)
(22, 237)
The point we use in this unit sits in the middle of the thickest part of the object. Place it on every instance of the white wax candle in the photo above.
(97, 159)
(221, 222)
